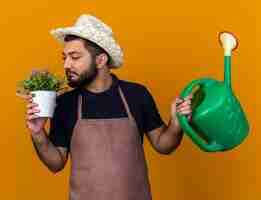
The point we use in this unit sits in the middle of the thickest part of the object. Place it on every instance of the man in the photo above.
(101, 122)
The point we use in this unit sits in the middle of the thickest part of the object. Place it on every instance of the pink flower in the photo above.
(34, 72)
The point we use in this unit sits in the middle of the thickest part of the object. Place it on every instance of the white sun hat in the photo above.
(91, 28)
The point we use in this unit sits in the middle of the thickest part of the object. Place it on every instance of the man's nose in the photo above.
(67, 64)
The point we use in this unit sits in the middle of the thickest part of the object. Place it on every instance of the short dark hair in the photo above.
(92, 47)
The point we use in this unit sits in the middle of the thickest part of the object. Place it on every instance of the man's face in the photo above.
(80, 68)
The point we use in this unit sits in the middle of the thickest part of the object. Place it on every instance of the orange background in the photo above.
(166, 44)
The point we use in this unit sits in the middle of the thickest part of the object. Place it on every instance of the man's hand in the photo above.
(183, 107)
(33, 122)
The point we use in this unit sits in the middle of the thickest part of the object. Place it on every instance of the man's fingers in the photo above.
(31, 117)
(24, 96)
(185, 103)
(184, 106)
(189, 97)
(185, 110)
(32, 111)
(179, 100)
(31, 105)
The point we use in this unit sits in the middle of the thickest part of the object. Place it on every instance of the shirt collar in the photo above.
(114, 85)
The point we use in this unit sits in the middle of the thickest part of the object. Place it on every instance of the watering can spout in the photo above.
(229, 43)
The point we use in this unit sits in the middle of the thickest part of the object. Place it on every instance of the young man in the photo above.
(101, 122)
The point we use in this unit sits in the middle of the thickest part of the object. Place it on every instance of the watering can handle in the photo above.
(210, 147)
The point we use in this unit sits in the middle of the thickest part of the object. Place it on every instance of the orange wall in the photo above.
(167, 44)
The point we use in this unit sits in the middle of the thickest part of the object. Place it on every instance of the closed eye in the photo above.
(75, 58)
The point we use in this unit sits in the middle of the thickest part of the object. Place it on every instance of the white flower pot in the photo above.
(46, 101)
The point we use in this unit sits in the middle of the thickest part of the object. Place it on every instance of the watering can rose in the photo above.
(44, 88)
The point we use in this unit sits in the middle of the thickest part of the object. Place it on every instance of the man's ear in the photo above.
(101, 60)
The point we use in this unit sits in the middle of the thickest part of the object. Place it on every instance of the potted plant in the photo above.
(44, 88)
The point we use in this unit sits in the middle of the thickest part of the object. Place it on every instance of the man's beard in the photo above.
(85, 78)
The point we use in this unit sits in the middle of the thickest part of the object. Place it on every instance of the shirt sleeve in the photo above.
(58, 133)
(151, 115)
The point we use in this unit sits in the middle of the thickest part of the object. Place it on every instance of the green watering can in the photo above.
(218, 121)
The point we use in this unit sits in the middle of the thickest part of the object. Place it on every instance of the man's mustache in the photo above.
(71, 72)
